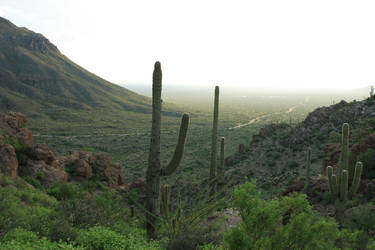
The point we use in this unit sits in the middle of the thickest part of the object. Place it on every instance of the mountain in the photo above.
(38, 80)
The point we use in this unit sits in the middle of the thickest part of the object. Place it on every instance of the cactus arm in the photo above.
(214, 145)
(332, 181)
(356, 178)
(179, 151)
(344, 186)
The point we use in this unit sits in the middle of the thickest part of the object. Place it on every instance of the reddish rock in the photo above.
(369, 142)
(332, 151)
(8, 160)
(87, 164)
(331, 156)
(13, 125)
(47, 174)
(114, 175)
(83, 169)
(25, 137)
(102, 160)
(42, 152)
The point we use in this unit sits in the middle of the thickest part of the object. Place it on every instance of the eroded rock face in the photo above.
(42, 164)
(13, 125)
(8, 160)
(83, 165)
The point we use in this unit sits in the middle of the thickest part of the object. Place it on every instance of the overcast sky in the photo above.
(266, 43)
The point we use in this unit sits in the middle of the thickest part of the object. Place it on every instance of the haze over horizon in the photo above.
(278, 44)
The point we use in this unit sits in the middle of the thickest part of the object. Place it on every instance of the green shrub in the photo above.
(362, 218)
(65, 191)
(20, 239)
(334, 137)
(293, 164)
(101, 238)
(368, 160)
(285, 223)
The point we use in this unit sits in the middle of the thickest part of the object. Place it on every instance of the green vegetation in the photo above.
(286, 223)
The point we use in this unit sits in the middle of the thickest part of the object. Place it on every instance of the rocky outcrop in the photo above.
(34, 42)
(84, 165)
(319, 123)
(13, 125)
(332, 152)
(8, 160)
(268, 131)
(42, 164)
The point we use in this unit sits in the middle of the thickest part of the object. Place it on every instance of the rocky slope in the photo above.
(19, 156)
(276, 156)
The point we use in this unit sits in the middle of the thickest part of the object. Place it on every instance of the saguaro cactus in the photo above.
(154, 170)
(372, 91)
(338, 183)
(213, 164)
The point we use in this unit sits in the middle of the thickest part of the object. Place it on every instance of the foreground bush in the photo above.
(20, 239)
(285, 223)
(106, 239)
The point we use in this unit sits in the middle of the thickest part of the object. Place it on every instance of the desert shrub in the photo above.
(101, 238)
(26, 208)
(285, 223)
(334, 137)
(353, 239)
(21, 239)
(65, 191)
(271, 163)
(184, 226)
(368, 160)
(362, 218)
(106, 239)
(293, 164)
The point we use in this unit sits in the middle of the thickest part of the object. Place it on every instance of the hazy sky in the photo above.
(280, 43)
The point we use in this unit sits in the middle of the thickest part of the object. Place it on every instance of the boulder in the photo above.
(13, 125)
(41, 152)
(114, 175)
(8, 160)
(87, 164)
(47, 174)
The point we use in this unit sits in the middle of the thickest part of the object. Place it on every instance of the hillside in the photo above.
(276, 155)
(39, 81)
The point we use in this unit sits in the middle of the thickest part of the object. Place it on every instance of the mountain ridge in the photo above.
(35, 75)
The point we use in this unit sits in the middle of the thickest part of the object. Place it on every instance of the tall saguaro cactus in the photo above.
(372, 91)
(338, 183)
(213, 165)
(154, 170)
